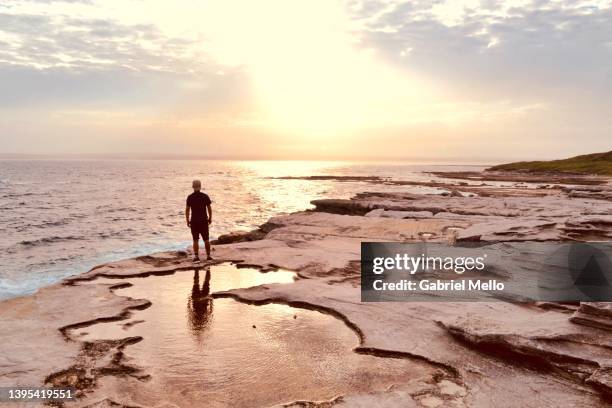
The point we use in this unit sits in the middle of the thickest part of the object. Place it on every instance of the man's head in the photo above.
(197, 185)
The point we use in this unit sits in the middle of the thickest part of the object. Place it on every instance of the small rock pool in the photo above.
(200, 351)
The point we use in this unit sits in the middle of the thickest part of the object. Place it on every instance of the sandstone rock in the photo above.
(485, 354)
(450, 388)
(594, 314)
(33, 345)
(399, 214)
(375, 213)
(602, 380)
(519, 216)
(407, 214)
(415, 330)
(347, 207)
(233, 237)
(509, 176)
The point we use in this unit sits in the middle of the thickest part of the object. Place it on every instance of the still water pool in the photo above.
(222, 352)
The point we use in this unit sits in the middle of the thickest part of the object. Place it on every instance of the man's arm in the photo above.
(209, 208)
(187, 210)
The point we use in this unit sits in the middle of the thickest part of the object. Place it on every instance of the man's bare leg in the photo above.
(196, 248)
(207, 246)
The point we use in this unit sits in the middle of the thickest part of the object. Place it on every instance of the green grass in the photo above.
(596, 163)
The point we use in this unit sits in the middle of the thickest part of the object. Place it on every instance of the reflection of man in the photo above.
(200, 303)
(198, 204)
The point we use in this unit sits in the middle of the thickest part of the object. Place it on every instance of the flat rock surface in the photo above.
(480, 354)
(33, 341)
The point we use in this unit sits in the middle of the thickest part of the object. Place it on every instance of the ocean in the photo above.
(62, 217)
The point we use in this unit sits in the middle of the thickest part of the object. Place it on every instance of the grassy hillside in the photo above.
(596, 163)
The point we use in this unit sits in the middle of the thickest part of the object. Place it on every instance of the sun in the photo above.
(310, 77)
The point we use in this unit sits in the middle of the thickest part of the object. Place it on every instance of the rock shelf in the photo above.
(477, 354)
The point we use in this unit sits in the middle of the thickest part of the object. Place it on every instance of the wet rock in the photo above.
(96, 360)
(161, 263)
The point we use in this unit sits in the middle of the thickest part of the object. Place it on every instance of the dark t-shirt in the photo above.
(198, 201)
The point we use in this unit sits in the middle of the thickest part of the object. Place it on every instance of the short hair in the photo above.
(196, 184)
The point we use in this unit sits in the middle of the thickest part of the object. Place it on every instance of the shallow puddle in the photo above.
(221, 352)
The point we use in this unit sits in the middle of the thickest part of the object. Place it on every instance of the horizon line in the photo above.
(159, 156)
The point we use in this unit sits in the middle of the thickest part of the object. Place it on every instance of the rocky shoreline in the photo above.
(478, 354)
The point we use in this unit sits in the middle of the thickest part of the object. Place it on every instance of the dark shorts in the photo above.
(199, 228)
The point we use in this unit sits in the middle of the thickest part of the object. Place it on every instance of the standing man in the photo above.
(198, 204)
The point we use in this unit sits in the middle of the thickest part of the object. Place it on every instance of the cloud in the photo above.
(57, 41)
(498, 45)
(555, 56)
(57, 61)
(475, 70)
(73, 82)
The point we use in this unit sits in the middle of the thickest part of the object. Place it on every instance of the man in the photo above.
(198, 204)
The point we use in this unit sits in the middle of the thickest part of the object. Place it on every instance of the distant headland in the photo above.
(595, 163)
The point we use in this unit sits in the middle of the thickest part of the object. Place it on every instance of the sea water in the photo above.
(62, 217)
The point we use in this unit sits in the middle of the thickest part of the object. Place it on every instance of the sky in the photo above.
(467, 80)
